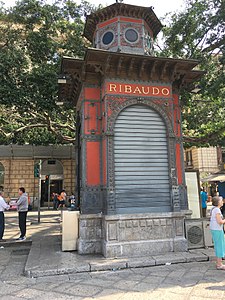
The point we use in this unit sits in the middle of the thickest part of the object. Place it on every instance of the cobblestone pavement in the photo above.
(179, 281)
(194, 280)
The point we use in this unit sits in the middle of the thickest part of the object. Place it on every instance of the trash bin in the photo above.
(69, 230)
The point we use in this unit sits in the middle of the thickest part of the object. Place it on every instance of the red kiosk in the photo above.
(130, 174)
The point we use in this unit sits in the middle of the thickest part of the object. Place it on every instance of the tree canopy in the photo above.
(33, 37)
(198, 32)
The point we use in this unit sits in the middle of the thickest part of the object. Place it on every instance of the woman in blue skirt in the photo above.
(216, 227)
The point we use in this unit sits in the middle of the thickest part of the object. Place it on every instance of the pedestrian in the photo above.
(204, 198)
(22, 207)
(3, 207)
(223, 208)
(62, 199)
(55, 200)
(216, 227)
(72, 202)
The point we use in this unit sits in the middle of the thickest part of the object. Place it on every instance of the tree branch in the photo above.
(206, 138)
(214, 46)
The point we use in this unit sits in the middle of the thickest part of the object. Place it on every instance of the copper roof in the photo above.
(121, 9)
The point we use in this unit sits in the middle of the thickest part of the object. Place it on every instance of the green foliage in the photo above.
(198, 33)
(34, 35)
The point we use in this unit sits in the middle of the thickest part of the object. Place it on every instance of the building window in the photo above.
(131, 35)
(223, 156)
(2, 174)
(108, 38)
(189, 162)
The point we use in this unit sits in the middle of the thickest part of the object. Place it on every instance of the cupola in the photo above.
(123, 28)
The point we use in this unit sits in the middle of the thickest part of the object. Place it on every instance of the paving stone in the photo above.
(137, 296)
(143, 262)
(75, 269)
(208, 293)
(109, 294)
(190, 257)
(109, 265)
(6, 288)
(167, 295)
(173, 258)
(81, 290)
(9, 297)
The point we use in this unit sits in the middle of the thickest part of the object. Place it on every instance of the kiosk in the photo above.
(130, 172)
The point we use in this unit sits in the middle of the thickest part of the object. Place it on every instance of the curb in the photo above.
(120, 264)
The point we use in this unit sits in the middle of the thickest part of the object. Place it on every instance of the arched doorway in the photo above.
(141, 161)
(51, 180)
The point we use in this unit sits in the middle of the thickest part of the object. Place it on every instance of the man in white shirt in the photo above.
(3, 207)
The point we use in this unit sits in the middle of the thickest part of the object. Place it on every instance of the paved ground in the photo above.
(194, 280)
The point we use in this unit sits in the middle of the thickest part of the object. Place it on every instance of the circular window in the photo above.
(107, 38)
(131, 35)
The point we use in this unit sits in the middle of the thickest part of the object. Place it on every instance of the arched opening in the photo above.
(2, 175)
(51, 180)
(141, 161)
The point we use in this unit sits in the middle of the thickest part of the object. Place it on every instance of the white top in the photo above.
(3, 204)
(213, 222)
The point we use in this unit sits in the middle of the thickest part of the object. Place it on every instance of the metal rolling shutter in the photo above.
(141, 162)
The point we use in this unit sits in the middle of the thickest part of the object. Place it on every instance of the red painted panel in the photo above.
(176, 99)
(178, 163)
(92, 93)
(103, 24)
(131, 20)
(92, 115)
(93, 163)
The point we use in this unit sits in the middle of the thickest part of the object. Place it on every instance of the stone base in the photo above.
(90, 234)
(143, 234)
(146, 248)
(137, 248)
(133, 235)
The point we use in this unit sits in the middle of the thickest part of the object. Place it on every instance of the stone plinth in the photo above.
(90, 234)
(132, 235)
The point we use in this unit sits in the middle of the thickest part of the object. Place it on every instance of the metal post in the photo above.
(49, 185)
(39, 192)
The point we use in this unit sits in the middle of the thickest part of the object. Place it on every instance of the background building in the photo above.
(206, 160)
(19, 167)
(210, 162)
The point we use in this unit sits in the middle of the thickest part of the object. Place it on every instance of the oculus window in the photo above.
(108, 38)
(131, 35)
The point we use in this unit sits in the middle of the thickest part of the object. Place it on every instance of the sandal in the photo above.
(222, 267)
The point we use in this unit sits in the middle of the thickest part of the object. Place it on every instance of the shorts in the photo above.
(62, 202)
(219, 243)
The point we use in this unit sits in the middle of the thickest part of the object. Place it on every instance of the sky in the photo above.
(161, 7)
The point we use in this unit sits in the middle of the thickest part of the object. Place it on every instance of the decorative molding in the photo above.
(128, 102)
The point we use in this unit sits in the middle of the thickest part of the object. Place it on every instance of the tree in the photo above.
(34, 35)
(198, 32)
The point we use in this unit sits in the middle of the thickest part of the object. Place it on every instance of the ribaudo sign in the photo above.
(138, 89)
